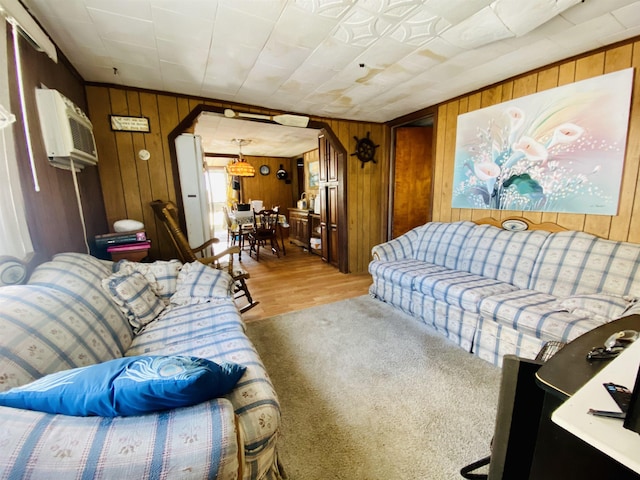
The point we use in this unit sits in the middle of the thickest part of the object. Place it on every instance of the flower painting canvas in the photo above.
(561, 150)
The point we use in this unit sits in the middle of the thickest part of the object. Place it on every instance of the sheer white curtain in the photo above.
(14, 234)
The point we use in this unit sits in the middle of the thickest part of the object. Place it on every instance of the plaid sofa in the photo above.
(63, 318)
(496, 292)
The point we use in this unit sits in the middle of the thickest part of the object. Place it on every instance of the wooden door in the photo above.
(332, 191)
(413, 171)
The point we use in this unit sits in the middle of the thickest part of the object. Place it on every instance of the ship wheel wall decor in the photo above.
(365, 149)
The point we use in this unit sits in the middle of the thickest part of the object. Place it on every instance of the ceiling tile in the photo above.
(628, 16)
(419, 28)
(176, 53)
(235, 28)
(205, 9)
(140, 9)
(299, 27)
(455, 11)
(582, 35)
(588, 10)
(480, 29)
(334, 55)
(121, 28)
(523, 17)
(132, 54)
(175, 27)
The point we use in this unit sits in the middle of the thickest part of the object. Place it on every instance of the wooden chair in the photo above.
(236, 233)
(167, 213)
(265, 224)
(265, 229)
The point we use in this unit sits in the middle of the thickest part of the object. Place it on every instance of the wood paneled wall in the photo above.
(53, 215)
(129, 184)
(269, 188)
(623, 226)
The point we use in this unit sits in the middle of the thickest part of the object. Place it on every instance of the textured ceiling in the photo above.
(370, 60)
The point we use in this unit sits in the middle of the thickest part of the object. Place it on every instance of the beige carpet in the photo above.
(368, 393)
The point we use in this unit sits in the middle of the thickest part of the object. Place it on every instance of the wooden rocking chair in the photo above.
(167, 213)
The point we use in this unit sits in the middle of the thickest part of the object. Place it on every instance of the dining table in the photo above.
(245, 218)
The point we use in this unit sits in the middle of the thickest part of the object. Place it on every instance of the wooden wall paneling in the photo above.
(268, 188)
(170, 111)
(142, 167)
(153, 142)
(108, 166)
(438, 162)
(625, 225)
(128, 172)
(448, 167)
(359, 173)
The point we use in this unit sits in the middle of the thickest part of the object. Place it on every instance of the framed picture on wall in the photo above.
(314, 174)
(559, 150)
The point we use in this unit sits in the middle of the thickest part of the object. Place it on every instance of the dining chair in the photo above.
(236, 233)
(167, 213)
(265, 226)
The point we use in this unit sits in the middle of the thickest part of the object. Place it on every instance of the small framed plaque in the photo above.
(121, 123)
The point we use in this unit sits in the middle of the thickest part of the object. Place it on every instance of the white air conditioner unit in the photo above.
(67, 131)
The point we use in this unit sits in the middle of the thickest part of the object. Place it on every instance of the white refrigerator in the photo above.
(195, 198)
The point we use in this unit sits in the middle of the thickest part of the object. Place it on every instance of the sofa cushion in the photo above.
(198, 441)
(536, 314)
(44, 330)
(462, 289)
(162, 275)
(501, 254)
(599, 306)
(199, 283)
(127, 386)
(442, 243)
(572, 263)
(403, 272)
(134, 295)
(185, 324)
(79, 276)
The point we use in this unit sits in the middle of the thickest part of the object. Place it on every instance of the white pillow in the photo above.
(135, 297)
(599, 306)
(162, 275)
(198, 283)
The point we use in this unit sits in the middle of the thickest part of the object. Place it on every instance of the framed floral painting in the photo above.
(560, 150)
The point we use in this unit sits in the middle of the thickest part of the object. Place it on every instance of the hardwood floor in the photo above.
(296, 281)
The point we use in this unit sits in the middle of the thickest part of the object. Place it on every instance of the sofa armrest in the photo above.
(193, 442)
(398, 248)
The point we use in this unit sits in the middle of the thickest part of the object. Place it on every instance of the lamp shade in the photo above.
(241, 169)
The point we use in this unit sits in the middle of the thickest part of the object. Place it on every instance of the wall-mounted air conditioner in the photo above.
(67, 131)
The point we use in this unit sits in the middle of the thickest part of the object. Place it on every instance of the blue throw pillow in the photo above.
(127, 386)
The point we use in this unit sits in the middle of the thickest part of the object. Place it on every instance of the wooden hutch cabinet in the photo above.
(299, 227)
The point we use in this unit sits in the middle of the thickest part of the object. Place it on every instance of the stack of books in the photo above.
(124, 245)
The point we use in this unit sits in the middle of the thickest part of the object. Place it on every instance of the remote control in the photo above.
(621, 395)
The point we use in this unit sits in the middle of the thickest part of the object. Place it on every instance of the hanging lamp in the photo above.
(241, 168)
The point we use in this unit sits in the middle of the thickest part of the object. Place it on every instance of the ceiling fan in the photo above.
(286, 119)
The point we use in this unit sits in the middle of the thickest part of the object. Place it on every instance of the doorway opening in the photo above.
(411, 193)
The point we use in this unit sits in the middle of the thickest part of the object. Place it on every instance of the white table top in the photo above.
(605, 434)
